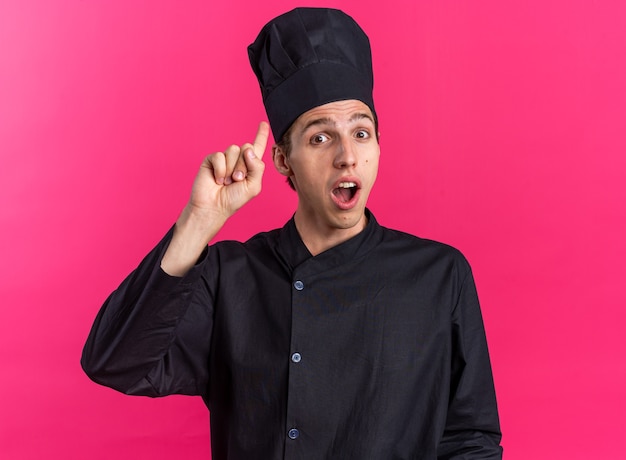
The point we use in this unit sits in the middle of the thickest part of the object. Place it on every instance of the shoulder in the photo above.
(257, 244)
(409, 249)
(407, 241)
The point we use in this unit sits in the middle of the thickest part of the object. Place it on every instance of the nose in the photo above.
(346, 155)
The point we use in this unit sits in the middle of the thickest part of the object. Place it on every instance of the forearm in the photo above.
(134, 332)
(470, 445)
(192, 233)
(472, 427)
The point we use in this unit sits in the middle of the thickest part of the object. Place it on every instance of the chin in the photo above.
(351, 219)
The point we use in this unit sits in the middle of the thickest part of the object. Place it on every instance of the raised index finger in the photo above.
(260, 141)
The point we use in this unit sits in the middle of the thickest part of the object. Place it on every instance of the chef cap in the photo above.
(309, 57)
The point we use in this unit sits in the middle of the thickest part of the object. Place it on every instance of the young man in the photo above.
(332, 337)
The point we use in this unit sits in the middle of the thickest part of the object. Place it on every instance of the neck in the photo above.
(318, 236)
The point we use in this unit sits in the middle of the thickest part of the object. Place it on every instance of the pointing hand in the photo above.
(228, 180)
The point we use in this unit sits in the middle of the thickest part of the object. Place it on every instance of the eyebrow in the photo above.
(326, 121)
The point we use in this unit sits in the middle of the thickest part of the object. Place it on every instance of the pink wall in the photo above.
(503, 133)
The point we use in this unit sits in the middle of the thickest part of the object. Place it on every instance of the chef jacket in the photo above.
(373, 349)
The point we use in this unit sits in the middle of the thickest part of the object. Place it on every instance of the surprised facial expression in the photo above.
(332, 164)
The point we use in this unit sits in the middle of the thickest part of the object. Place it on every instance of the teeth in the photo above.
(347, 184)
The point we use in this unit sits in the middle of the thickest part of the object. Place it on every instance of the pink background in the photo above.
(503, 133)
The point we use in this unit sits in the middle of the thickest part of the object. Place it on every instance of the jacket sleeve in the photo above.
(152, 335)
(472, 430)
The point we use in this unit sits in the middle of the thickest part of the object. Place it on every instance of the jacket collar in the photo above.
(295, 254)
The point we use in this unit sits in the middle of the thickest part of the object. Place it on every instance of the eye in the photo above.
(362, 134)
(319, 139)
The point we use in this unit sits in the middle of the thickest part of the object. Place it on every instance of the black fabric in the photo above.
(309, 57)
(393, 357)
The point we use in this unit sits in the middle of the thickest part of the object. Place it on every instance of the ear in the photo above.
(281, 162)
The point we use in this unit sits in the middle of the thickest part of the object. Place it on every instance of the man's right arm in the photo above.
(151, 335)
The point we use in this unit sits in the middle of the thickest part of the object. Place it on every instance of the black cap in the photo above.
(309, 57)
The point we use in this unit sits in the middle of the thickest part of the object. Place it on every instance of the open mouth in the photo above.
(345, 191)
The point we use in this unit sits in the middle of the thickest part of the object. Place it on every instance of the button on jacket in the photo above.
(374, 349)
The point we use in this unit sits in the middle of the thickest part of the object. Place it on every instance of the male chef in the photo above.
(332, 337)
